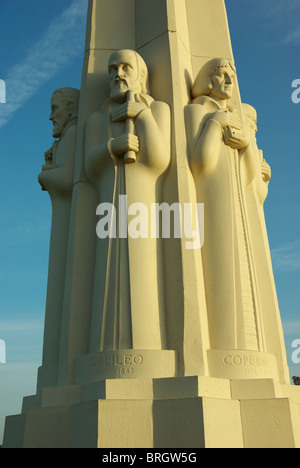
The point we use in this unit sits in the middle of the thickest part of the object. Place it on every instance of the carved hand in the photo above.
(236, 140)
(49, 155)
(129, 110)
(41, 182)
(228, 119)
(124, 143)
(266, 171)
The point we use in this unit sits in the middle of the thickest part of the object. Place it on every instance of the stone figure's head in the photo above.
(127, 72)
(215, 79)
(64, 109)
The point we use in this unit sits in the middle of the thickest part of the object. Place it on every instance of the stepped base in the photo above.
(187, 412)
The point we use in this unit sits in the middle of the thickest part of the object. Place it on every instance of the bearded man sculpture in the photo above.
(57, 178)
(127, 151)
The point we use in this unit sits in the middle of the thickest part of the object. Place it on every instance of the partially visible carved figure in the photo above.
(261, 169)
(64, 114)
(57, 178)
(256, 175)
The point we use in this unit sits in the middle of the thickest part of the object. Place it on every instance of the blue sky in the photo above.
(41, 49)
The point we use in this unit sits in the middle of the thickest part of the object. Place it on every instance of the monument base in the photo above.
(187, 412)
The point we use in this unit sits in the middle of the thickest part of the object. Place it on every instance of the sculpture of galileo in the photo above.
(57, 178)
(128, 302)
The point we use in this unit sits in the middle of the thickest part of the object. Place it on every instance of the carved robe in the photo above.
(230, 283)
(57, 179)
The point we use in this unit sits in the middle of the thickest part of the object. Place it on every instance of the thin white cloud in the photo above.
(60, 44)
(293, 37)
(21, 326)
(26, 232)
(277, 7)
(287, 257)
(283, 15)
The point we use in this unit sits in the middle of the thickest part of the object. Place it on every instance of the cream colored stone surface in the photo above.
(255, 389)
(139, 349)
(270, 423)
(132, 418)
(242, 364)
(118, 389)
(31, 401)
(47, 427)
(292, 392)
(187, 412)
(222, 423)
(14, 431)
(61, 396)
(191, 387)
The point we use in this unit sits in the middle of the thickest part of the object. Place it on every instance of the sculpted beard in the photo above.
(60, 122)
(57, 130)
(119, 90)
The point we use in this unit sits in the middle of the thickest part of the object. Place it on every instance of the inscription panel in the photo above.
(241, 364)
(125, 364)
(116, 365)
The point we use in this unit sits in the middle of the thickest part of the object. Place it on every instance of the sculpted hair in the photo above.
(70, 96)
(143, 73)
(203, 84)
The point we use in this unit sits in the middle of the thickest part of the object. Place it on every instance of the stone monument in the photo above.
(148, 343)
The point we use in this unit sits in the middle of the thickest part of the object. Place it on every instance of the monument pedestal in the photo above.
(187, 412)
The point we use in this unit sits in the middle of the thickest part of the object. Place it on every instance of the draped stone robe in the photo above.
(57, 179)
(230, 283)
